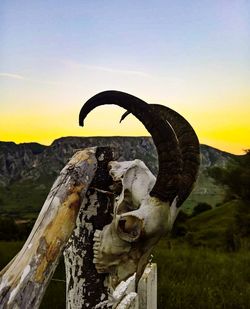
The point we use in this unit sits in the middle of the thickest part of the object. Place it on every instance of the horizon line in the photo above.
(114, 136)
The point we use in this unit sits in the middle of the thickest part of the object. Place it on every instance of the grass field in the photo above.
(25, 198)
(199, 270)
(202, 278)
(187, 278)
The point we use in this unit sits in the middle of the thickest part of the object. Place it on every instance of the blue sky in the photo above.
(190, 55)
(147, 35)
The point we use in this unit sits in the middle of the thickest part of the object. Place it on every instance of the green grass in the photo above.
(205, 191)
(213, 228)
(187, 278)
(25, 198)
(55, 295)
(194, 271)
(202, 278)
(8, 250)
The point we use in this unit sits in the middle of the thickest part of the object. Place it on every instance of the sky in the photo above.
(192, 56)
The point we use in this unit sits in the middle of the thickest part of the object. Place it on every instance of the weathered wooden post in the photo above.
(24, 280)
(85, 287)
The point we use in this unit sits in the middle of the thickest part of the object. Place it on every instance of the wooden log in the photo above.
(24, 280)
(84, 286)
(147, 288)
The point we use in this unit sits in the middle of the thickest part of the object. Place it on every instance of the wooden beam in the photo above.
(84, 286)
(147, 288)
(24, 280)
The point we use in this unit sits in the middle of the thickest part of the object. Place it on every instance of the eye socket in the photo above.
(127, 204)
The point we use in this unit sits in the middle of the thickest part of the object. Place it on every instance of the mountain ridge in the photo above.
(99, 137)
(38, 165)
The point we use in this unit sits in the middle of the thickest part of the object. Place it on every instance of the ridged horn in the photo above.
(168, 179)
(189, 148)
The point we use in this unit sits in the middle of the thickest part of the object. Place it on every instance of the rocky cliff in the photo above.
(31, 160)
(39, 164)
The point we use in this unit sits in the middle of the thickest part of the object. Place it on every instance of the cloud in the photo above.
(118, 71)
(77, 65)
(20, 77)
(13, 76)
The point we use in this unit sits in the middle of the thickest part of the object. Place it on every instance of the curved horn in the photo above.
(168, 179)
(189, 148)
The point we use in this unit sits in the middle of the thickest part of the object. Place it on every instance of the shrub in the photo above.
(201, 207)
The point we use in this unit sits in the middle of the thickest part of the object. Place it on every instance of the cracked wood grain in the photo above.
(24, 280)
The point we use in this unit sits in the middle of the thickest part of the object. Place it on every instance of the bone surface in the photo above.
(124, 246)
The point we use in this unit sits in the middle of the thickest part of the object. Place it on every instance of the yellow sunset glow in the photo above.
(223, 128)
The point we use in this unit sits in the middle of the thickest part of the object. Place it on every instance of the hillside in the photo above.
(28, 170)
(213, 228)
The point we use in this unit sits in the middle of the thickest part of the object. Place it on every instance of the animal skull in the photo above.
(123, 247)
(146, 207)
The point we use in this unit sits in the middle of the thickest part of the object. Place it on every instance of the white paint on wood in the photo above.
(84, 286)
(74, 258)
(147, 288)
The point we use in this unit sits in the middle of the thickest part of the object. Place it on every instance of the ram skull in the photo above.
(146, 207)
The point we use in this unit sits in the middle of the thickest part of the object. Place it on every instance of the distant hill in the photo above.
(214, 227)
(28, 170)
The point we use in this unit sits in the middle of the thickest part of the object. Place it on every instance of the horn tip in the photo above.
(81, 123)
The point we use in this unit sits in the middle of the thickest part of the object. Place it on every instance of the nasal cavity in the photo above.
(130, 225)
